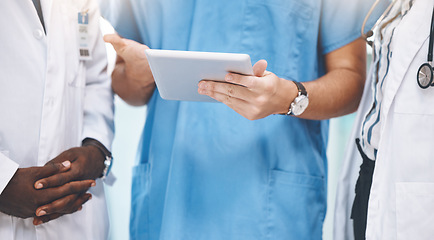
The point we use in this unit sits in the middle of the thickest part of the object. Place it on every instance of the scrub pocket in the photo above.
(139, 219)
(414, 211)
(296, 206)
(275, 30)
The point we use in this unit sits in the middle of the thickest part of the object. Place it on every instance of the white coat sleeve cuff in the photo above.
(7, 171)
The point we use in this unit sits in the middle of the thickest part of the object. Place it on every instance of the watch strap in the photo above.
(301, 91)
(301, 88)
(104, 151)
(98, 145)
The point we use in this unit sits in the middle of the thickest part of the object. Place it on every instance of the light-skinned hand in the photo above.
(132, 76)
(253, 97)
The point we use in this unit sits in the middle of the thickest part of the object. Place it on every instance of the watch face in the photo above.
(425, 76)
(299, 105)
(108, 165)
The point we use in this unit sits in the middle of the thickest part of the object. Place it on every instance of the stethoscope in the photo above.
(425, 72)
(370, 32)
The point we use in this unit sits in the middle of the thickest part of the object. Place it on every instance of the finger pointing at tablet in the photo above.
(132, 77)
(115, 40)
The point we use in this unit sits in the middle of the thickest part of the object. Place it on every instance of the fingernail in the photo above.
(39, 185)
(90, 197)
(229, 78)
(202, 85)
(66, 163)
(93, 184)
(37, 222)
(41, 213)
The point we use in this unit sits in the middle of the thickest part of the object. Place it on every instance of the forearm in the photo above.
(132, 91)
(339, 91)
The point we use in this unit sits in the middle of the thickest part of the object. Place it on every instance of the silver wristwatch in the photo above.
(107, 166)
(300, 103)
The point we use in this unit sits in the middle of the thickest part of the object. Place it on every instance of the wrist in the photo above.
(300, 102)
(289, 93)
(105, 153)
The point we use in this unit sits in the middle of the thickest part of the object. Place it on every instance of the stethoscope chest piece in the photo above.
(425, 76)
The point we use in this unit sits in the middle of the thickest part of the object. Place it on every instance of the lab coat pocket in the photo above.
(414, 210)
(411, 99)
(275, 31)
(139, 222)
(296, 206)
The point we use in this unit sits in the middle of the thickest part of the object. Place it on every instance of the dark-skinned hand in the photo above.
(87, 163)
(21, 199)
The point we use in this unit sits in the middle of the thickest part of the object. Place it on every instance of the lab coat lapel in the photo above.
(47, 6)
(343, 226)
(409, 38)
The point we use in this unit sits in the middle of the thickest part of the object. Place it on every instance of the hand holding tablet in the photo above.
(177, 73)
(253, 97)
(225, 77)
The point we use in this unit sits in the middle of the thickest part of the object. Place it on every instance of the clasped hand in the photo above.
(58, 188)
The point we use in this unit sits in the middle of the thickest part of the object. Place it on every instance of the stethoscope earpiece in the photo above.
(369, 34)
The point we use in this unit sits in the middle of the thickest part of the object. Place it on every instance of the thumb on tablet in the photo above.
(259, 68)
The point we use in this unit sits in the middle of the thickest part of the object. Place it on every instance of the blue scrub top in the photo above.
(205, 172)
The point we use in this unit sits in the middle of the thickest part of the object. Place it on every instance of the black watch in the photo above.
(300, 103)
(108, 158)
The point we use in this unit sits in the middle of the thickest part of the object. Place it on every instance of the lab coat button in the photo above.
(38, 34)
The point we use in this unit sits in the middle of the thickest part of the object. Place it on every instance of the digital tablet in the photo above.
(177, 73)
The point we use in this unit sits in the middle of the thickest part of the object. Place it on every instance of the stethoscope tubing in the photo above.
(368, 34)
(425, 72)
(431, 39)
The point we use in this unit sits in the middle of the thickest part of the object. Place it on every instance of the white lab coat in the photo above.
(401, 204)
(50, 100)
(345, 193)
